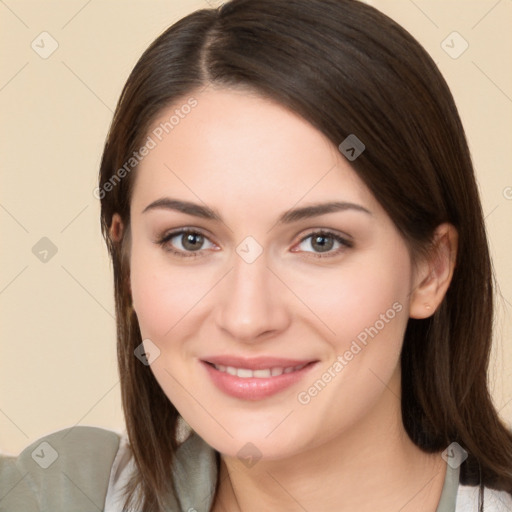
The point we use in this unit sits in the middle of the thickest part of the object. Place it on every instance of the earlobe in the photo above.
(434, 274)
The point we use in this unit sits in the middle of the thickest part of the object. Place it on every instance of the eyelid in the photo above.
(326, 231)
(178, 231)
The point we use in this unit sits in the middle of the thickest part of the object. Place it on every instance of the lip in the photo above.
(255, 388)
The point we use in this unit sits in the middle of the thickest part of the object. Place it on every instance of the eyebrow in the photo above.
(287, 217)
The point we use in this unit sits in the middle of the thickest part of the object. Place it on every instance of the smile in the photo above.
(246, 373)
(264, 378)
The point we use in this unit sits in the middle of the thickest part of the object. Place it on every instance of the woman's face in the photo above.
(303, 314)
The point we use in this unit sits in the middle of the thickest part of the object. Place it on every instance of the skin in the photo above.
(252, 159)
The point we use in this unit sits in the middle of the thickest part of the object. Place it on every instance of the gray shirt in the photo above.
(82, 469)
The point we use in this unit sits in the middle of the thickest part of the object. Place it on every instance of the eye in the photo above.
(184, 242)
(322, 242)
(189, 243)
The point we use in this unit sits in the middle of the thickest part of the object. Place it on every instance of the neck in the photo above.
(373, 466)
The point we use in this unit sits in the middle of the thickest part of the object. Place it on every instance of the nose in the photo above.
(251, 302)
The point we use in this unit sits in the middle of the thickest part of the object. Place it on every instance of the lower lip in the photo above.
(254, 388)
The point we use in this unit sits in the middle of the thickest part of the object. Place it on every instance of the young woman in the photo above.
(303, 287)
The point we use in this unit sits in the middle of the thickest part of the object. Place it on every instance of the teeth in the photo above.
(242, 372)
(266, 373)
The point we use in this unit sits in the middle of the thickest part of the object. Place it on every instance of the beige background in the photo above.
(57, 364)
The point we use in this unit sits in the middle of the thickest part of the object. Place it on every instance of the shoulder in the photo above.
(69, 466)
(194, 472)
(494, 500)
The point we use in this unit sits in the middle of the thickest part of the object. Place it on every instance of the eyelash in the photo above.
(346, 244)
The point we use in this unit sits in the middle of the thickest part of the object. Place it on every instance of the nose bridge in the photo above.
(251, 297)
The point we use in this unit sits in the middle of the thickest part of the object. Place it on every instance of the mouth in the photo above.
(257, 378)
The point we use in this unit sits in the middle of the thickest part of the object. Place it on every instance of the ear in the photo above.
(116, 228)
(432, 275)
(116, 231)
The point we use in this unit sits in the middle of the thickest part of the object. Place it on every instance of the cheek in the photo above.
(367, 293)
(366, 307)
(162, 293)
(373, 299)
(372, 317)
(151, 285)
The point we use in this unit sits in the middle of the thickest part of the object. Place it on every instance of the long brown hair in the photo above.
(347, 69)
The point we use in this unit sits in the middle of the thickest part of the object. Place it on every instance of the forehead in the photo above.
(237, 148)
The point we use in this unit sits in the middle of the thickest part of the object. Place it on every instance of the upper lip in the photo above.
(256, 363)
